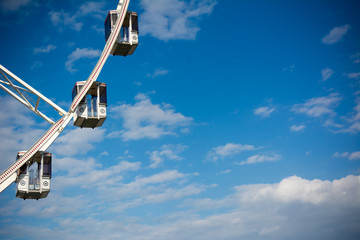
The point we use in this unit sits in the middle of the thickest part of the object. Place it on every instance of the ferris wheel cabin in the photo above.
(128, 38)
(91, 111)
(33, 178)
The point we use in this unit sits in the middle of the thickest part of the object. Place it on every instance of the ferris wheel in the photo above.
(32, 169)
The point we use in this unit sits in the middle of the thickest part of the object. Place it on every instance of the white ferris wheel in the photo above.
(32, 169)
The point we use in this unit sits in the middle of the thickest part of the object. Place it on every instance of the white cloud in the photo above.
(170, 194)
(74, 166)
(165, 176)
(224, 172)
(264, 111)
(326, 73)
(13, 5)
(92, 8)
(352, 129)
(289, 68)
(98, 29)
(331, 123)
(168, 151)
(64, 19)
(336, 34)
(356, 115)
(54, 206)
(13, 112)
(14, 139)
(356, 57)
(160, 187)
(46, 49)
(229, 149)
(341, 155)
(349, 156)
(354, 156)
(77, 141)
(271, 211)
(89, 174)
(297, 128)
(355, 75)
(36, 64)
(158, 72)
(173, 19)
(18, 130)
(353, 125)
(296, 189)
(147, 120)
(316, 107)
(80, 53)
(258, 158)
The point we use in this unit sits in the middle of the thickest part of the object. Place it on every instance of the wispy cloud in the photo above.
(326, 73)
(331, 123)
(36, 64)
(354, 156)
(78, 141)
(353, 121)
(13, 5)
(297, 128)
(319, 106)
(356, 57)
(290, 68)
(336, 34)
(18, 129)
(349, 156)
(264, 111)
(259, 158)
(173, 19)
(167, 151)
(227, 171)
(46, 49)
(80, 53)
(158, 72)
(354, 75)
(256, 210)
(94, 9)
(65, 19)
(227, 150)
(341, 155)
(157, 188)
(62, 19)
(147, 120)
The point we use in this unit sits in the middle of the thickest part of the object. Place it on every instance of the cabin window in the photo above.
(94, 106)
(107, 27)
(125, 34)
(103, 99)
(74, 92)
(23, 169)
(114, 17)
(135, 25)
(34, 176)
(47, 166)
(91, 105)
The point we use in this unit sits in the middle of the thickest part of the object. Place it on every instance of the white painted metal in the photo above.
(127, 41)
(30, 89)
(91, 112)
(27, 104)
(8, 182)
(49, 137)
(33, 184)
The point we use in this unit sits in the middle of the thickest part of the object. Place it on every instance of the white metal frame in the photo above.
(21, 93)
(9, 175)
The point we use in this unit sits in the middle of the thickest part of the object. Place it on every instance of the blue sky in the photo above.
(232, 120)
